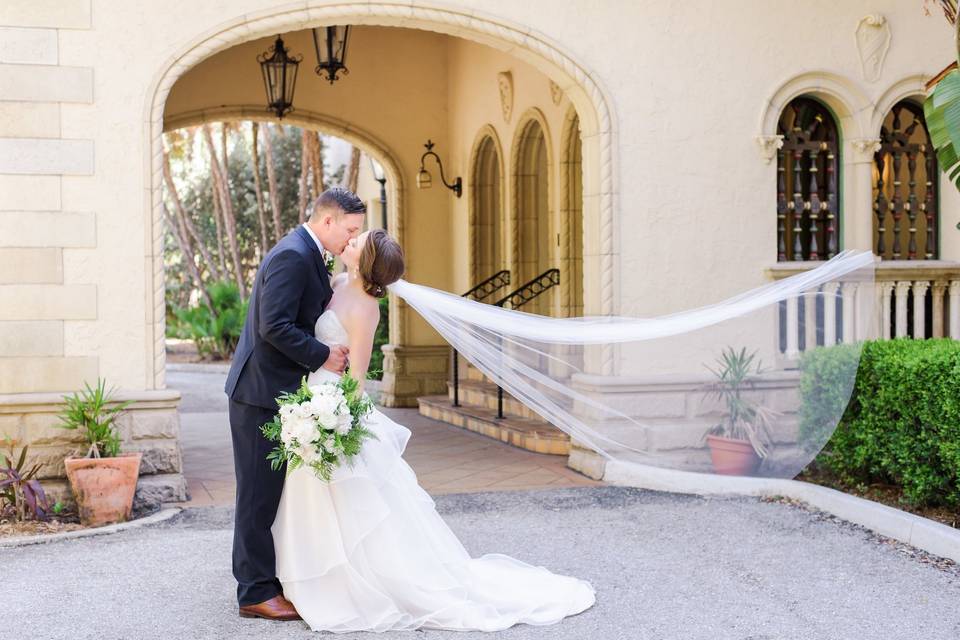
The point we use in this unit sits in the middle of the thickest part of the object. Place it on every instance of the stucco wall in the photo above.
(687, 84)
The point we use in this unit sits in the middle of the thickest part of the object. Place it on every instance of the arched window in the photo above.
(905, 187)
(808, 168)
(532, 253)
(488, 225)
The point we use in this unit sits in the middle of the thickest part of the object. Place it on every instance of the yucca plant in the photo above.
(93, 412)
(745, 419)
(21, 493)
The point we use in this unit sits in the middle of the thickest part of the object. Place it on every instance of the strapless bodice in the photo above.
(329, 330)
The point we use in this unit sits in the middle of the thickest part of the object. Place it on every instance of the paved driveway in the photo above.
(665, 567)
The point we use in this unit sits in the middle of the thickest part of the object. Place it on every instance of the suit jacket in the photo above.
(277, 347)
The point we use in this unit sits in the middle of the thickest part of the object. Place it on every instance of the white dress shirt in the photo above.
(315, 239)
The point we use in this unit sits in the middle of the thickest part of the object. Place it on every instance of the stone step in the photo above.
(470, 372)
(484, 394)
(525, 433)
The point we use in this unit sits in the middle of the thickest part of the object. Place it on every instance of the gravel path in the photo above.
(665, 566)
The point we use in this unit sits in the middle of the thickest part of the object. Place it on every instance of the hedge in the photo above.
(902, 424)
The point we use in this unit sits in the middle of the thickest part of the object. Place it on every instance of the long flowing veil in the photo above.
(752, 385)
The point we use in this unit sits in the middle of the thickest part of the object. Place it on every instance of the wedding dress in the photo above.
(369, 552)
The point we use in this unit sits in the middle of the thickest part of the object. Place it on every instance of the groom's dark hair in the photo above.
(338, 199)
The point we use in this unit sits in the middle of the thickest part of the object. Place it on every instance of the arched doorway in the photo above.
(532, 230)
(571, 220)
(486, 210)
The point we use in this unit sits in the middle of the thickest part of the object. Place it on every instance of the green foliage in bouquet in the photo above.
(345, 445)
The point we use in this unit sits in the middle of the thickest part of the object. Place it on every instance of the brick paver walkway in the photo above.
(446, 459)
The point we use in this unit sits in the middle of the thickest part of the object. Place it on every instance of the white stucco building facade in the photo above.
(631, 145)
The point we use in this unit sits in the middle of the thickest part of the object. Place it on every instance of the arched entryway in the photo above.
(571, 78)
(487, 223)
(571, 219)
(533, 252)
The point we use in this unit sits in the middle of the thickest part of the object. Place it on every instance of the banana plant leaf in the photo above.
(941, 109)
(942, 112)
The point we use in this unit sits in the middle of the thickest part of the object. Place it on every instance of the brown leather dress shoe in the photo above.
(276, 608)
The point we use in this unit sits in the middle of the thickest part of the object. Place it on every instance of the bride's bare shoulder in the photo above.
(362, 310)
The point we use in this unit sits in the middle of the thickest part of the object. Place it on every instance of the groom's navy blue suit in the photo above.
(276, 349)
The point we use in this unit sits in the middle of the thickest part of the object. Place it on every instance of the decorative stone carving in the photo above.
(505, 82)
(873, 42)
(864, 148)
(769, 146)
(556, 93)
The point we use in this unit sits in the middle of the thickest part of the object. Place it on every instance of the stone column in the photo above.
(413, 371)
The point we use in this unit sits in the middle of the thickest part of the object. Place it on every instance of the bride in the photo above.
(368, 550)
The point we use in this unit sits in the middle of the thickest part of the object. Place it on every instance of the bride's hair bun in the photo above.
(381, 263)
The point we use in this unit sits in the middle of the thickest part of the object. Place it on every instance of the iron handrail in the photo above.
(489, 286)
(481, 291)
(524, 294)
(530, 290)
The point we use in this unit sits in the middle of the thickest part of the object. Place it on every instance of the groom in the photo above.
(276, 349)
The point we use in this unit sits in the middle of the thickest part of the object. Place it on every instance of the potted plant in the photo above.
(104, 480)
(743, 438)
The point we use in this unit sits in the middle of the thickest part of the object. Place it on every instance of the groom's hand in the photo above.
(337, 360)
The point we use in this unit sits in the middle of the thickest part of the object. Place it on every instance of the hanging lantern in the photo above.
(279, 77)
(330, 44)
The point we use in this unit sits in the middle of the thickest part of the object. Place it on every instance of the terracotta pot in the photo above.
(732, 457)
(104, 487)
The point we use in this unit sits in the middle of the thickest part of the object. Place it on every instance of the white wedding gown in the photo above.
(369, 552)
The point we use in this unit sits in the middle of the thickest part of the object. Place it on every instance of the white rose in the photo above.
(301, 430)
(344, 423)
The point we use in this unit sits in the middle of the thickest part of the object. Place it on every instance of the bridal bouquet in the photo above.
(320, 425)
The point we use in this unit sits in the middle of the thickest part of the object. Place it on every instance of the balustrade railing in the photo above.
(911, 299)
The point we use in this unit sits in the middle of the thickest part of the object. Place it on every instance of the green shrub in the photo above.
(215, 332)
(381, 338)
(902, 425)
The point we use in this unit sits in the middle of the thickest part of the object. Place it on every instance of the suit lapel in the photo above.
(315, 252)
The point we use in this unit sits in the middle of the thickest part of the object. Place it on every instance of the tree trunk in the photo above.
(186, 221)
(353, 171)
(304, 171)
(183, 242)
(317, 162)
(272, 184)
(258, 185)
(220, 179)
(217, 219)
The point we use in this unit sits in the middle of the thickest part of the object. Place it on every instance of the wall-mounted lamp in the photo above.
(424, 181)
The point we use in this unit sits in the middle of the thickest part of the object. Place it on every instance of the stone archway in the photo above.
(597, 122)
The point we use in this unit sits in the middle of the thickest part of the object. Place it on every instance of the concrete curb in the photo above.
(23, 541)
(199, 367)
(917, 531)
